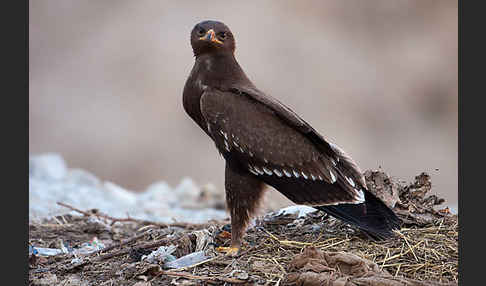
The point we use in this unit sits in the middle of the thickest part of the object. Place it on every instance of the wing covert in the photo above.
(249, 133)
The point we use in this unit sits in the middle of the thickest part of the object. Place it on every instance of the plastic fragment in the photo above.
(43, 251)
(89, 247)
(85, 248)
(187, 260)
(161, 255)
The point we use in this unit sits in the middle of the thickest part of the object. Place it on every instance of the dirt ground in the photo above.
(279, 249)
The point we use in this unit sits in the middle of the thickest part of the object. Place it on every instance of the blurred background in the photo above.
(378, 78)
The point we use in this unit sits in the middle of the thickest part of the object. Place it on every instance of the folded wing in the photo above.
(265, 138)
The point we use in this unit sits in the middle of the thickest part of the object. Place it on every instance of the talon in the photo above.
(228, 251)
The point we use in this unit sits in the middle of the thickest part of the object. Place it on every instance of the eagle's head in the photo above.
(211, 37)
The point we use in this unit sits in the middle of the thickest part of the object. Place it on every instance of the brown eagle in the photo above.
(265, 142)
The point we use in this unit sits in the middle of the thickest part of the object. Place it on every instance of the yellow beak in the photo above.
(211, 36)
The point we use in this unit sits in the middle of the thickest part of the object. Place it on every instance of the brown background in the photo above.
(379, 78)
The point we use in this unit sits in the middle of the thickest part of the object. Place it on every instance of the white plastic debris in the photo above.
(162, 255)
(89, 247)
(187, 260)
(299, 210)
(42, 251)
(85, 248)
(76, 260)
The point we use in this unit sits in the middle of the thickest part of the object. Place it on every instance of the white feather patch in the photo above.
(267, 171)
(258, 170)
(296, 174)
(252, 170)
(360, 198)
(333, 177)
(287, 173)
(351, 182)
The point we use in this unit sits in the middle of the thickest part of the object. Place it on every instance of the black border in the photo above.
(15, 100)
(16, 79)
(471, 121)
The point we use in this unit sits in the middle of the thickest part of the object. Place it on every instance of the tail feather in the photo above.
(373, 217)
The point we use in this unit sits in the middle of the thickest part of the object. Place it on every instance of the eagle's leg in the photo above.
(243, 195)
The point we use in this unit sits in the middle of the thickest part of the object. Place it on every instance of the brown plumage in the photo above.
(265, 142)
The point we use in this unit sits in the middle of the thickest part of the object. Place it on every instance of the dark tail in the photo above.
(373, 217)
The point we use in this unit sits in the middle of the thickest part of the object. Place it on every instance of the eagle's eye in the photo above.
(201, 32)
(222, 35)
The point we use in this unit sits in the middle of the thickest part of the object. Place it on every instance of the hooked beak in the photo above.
(211, 36)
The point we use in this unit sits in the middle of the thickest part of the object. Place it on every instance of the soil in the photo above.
(278, 249)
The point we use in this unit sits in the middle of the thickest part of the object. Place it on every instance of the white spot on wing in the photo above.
(296, 174)
(277, 172)
(267, 171)
(360, 197)
(250, 168)
(258, 170)
(351, 182)
(333, 177)
(287, 173)
(304, 175)
(226, 145)
(313, 177)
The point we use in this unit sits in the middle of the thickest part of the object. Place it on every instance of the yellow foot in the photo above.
(228, 251)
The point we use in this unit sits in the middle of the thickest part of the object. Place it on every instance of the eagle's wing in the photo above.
(344, 161)
(267, 139)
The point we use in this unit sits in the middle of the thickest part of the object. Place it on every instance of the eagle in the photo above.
(264, 142)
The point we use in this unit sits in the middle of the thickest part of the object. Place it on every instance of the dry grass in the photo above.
(425, 249)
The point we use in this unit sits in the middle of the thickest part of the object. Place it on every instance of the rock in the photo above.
(383, 186)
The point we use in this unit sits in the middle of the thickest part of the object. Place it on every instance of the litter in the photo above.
(187, 260)
(162, 255)
(85, 248)
(42, 251)
(89, 247)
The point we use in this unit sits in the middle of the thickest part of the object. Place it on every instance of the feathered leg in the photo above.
(243, 195)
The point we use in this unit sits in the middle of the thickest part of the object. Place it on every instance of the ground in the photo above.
(279, 248)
